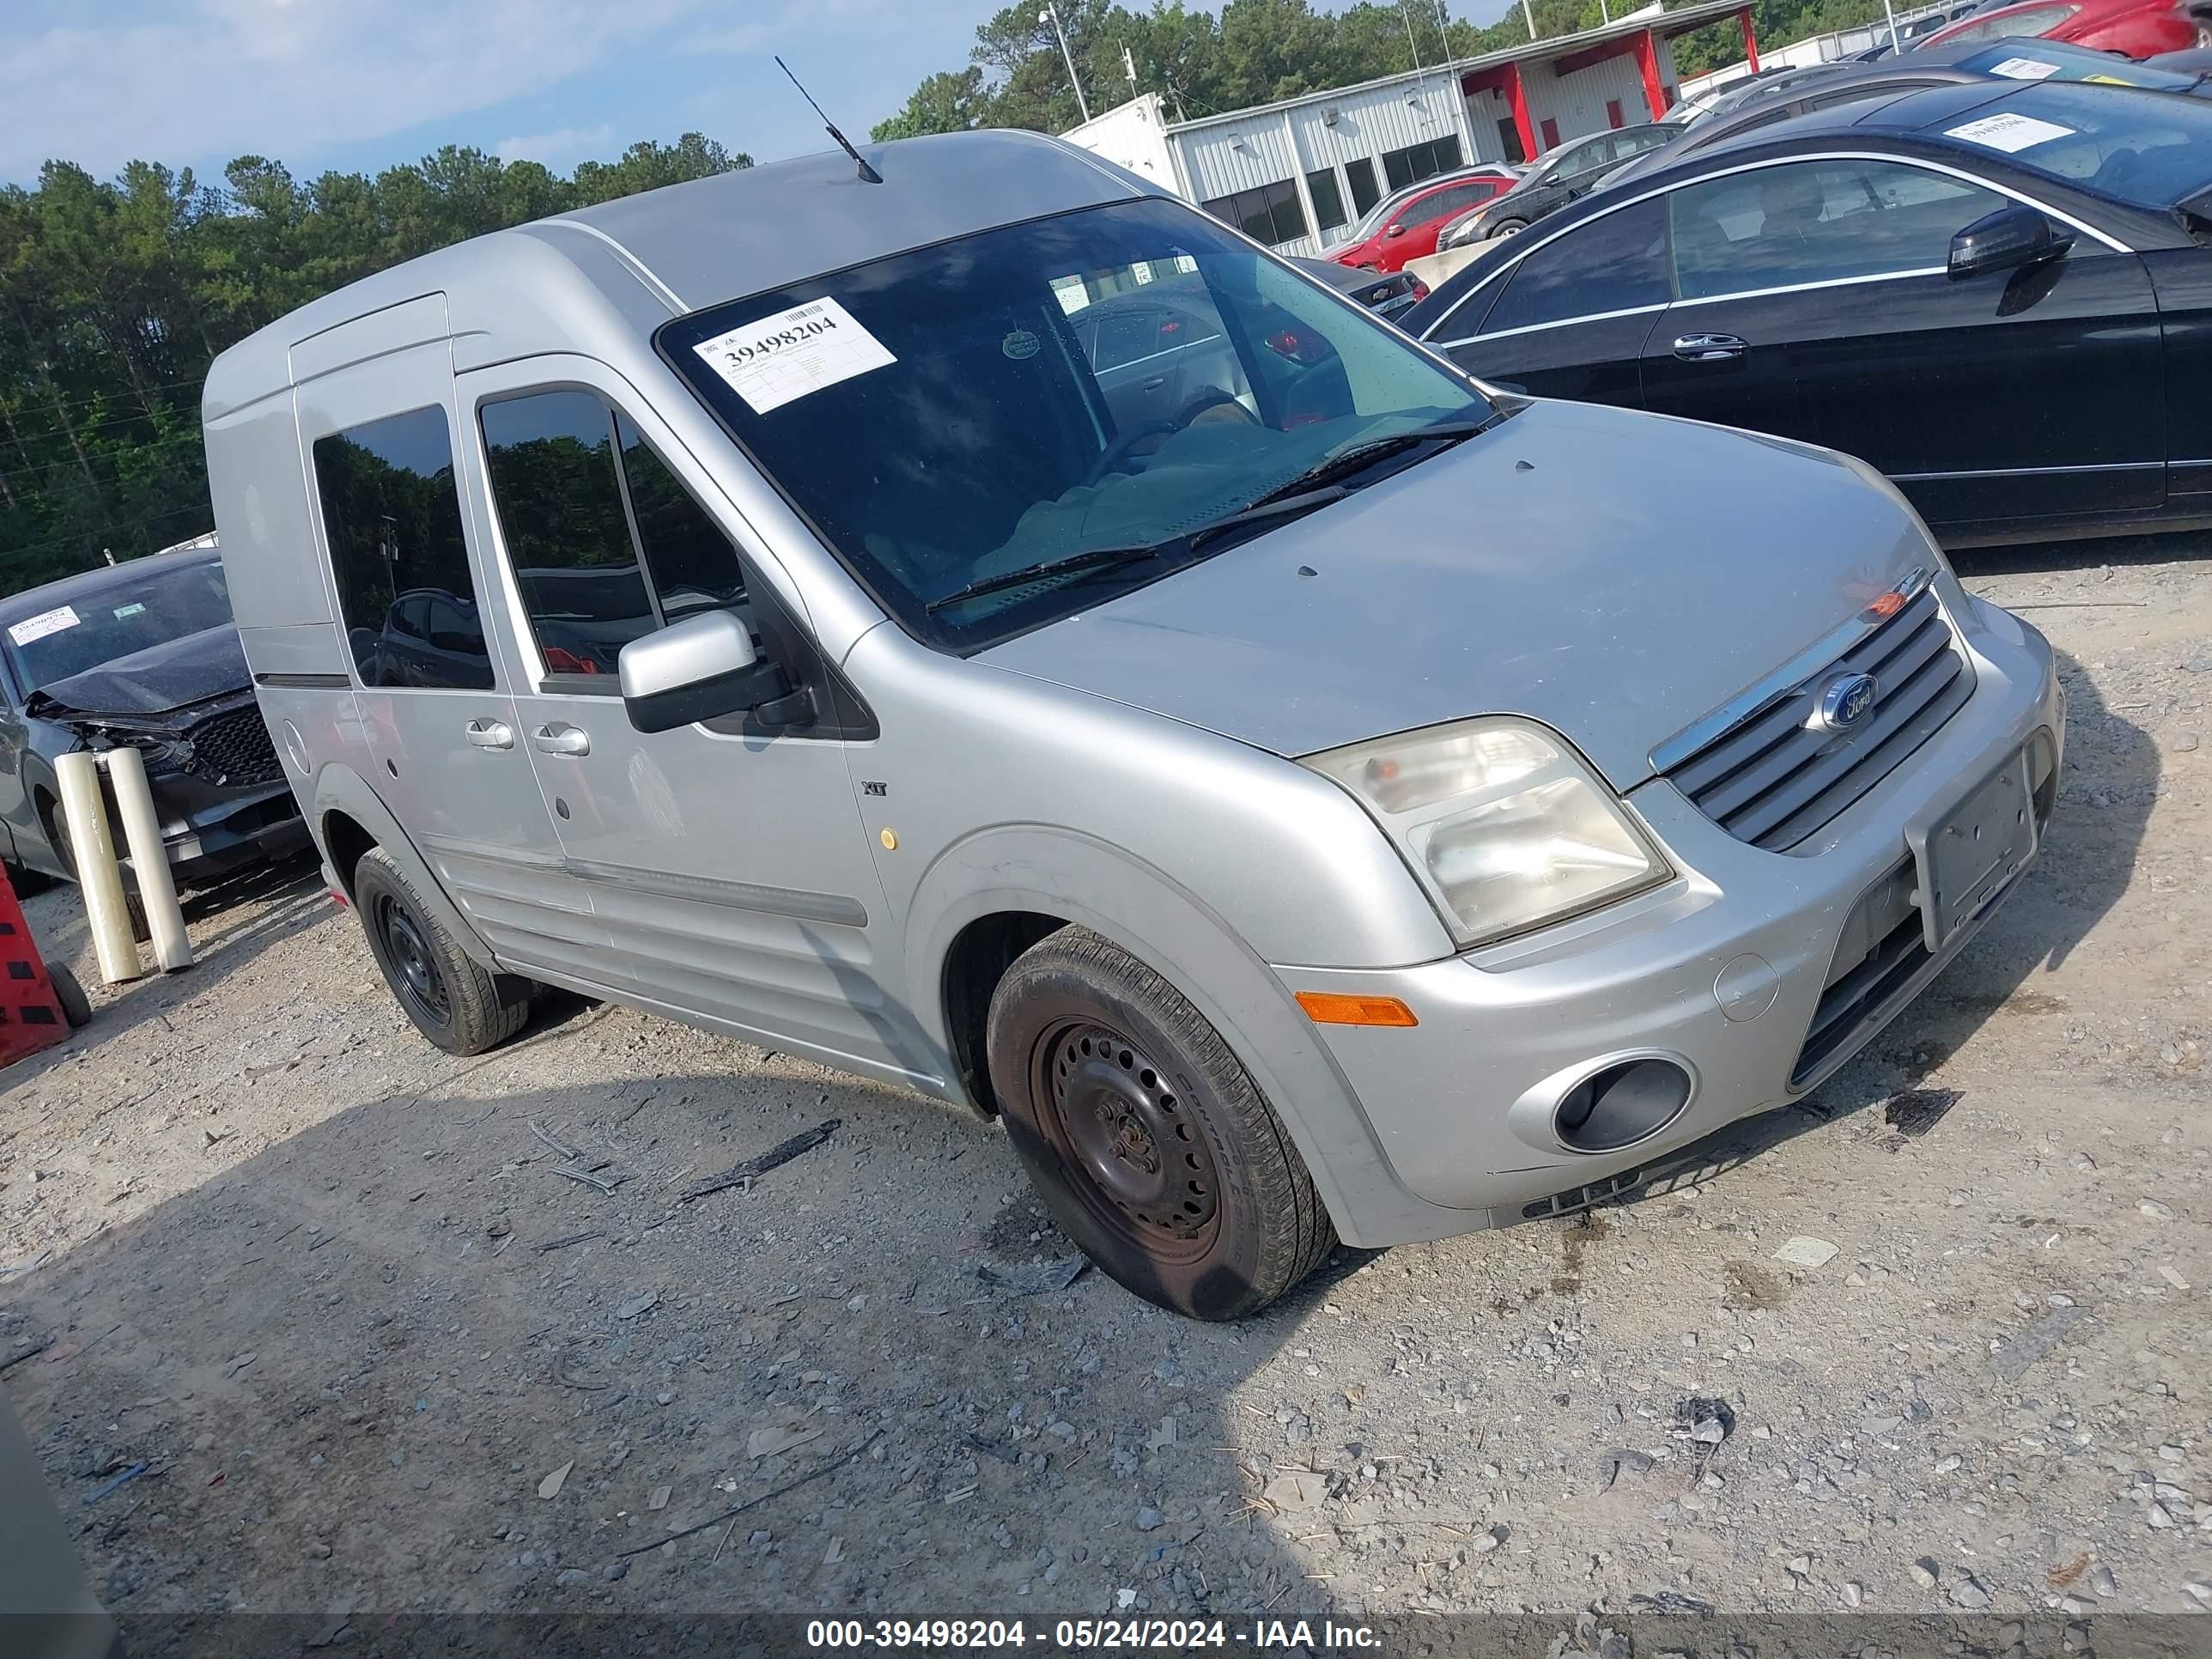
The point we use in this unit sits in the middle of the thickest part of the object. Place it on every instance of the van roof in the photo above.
(670, 251)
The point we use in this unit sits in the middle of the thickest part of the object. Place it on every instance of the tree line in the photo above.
(1258, 50)
(116, 294)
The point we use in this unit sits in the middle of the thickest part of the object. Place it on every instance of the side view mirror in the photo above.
(1395, 230)
(2011, 239)
(702, 669)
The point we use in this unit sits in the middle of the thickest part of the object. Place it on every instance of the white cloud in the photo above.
(560, 147)
(277, 77)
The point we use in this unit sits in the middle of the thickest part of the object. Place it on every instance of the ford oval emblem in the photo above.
(1848, 701)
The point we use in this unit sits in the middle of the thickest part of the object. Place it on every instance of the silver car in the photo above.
(1335, 801)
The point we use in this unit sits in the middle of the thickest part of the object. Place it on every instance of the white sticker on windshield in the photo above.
(781, 358)
(2024, 69)
(2010, 133)
(46, 622)
(136, 608)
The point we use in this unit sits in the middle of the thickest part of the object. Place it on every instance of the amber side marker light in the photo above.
(1331, 1008)
(1887, 605)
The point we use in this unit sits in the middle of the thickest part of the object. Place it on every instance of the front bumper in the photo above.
(255, 828)
(210, 833)
(1721, 972)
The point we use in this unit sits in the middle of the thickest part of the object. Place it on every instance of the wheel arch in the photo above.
(347, 816)
(1006, 888)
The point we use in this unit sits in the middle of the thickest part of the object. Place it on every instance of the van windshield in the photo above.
(1110, 379)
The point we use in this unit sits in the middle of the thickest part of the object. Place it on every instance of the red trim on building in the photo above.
(1647, 60)
(1614, 117)
(1750, 41)
(1506, 78)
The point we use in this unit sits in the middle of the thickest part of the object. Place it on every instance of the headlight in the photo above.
(1502, 821)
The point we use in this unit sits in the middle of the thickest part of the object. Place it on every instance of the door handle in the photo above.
(558, 739)
(1710, 348)
(491, 734)
(1156, 383)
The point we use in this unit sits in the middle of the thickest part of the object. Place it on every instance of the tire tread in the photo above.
(489, 1008)
(1298, 1235)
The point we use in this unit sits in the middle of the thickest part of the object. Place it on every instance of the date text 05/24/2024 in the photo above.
(1260, 1635)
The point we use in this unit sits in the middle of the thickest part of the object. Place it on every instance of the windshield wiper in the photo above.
(1102, 558)
(1090, 558)
(1362, 456)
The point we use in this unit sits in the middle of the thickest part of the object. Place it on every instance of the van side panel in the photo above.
(261, 516)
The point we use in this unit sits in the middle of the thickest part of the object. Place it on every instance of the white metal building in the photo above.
(1298, 174)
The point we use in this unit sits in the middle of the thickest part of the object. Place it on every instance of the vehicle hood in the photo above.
(171, 675)
(1614, 575)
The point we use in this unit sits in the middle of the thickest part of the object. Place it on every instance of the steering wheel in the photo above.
(1118, 451)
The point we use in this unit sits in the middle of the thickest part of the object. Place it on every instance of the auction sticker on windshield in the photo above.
(46, 622)
(2010, 133)
(780, 359)
(2023, 69)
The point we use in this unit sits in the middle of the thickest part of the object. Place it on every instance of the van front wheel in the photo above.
(1152, 1144)
(460, 1005)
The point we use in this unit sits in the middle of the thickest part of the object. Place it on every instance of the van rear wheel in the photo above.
(1150, 1141)
(461, 1006)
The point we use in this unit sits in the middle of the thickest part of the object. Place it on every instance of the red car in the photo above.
(2129, 28)
(1405, 226)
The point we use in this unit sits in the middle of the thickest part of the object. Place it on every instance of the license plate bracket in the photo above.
(1966, 857)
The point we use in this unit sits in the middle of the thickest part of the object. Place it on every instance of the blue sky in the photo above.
(360, 84)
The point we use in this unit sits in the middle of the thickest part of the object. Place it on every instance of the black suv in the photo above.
(143, 652)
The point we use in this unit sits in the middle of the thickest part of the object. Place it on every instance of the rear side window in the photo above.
(392, 516)
(1817, 222)
(1444, 205)
(554, 484)
(1616, 262)
(2011, 22)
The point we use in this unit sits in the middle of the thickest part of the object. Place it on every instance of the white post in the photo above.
(1894, 45)
(1530, 17)
(149, 859)
(105, 912)
(1050, 16)
(1298, 180)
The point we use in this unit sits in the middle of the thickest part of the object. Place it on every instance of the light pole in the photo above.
(1050, 16)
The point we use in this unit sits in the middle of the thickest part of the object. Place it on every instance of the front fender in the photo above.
(1064, 872)
(339, 788)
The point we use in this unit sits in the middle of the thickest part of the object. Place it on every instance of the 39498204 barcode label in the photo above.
(781, 358)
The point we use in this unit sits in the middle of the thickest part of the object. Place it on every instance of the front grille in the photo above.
(233, 749)
(1778, 776)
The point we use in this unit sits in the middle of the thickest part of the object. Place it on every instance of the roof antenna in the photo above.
(868, 174)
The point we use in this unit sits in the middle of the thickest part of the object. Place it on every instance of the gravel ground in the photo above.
(379, 1355)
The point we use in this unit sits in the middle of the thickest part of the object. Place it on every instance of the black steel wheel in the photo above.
(1113, 1117)
(1142, 1130)
(459, 1004)
(422, 986)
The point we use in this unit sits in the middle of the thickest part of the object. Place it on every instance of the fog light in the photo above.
(1622, 1105)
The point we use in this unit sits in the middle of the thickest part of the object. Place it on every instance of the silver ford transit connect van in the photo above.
(998, 630)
